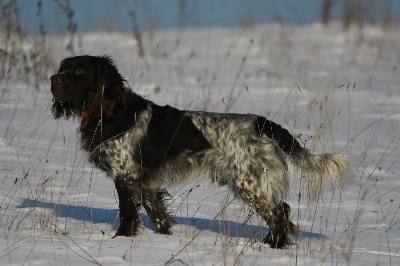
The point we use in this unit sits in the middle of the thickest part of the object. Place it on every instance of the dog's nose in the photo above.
(55, 79)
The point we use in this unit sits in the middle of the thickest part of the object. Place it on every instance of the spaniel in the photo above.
(145, 147)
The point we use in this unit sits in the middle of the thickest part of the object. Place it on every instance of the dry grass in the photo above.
(38, 196)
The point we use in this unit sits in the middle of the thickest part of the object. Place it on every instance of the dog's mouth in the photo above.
(62, 99)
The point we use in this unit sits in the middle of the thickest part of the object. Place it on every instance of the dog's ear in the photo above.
(108, 91)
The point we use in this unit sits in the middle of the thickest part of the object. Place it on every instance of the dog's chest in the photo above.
(118, 155)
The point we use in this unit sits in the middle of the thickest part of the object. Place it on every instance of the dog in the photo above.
(145, 147)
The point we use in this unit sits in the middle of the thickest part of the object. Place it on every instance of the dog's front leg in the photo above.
(134, 193)
(153, 203)
(128, 209)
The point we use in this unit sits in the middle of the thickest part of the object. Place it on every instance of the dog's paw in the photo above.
(163, 231)
(277, 243)
(267, 239)
(125, 231)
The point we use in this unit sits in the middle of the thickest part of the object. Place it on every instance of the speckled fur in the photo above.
(252, 165)
(116, 156)
(237, 151)
(145, 148)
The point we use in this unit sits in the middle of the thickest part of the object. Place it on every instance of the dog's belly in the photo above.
(263, 173)
(238, 157)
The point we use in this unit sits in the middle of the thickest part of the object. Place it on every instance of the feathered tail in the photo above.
(314, 167)
(319, 167)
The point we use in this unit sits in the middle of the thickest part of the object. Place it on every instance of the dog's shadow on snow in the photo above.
(99, 215)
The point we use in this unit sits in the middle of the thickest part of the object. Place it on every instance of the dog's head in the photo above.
(87, 86)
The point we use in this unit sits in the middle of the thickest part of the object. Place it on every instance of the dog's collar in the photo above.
(86, 114)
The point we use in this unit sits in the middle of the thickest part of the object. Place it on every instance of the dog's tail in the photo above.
(318, 167)
(314, 167)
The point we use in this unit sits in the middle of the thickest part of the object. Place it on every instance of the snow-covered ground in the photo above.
(338, 91)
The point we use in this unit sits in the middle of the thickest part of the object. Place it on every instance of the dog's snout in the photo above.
(55, 79)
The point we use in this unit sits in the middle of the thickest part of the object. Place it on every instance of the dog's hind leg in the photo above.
(280, 226)
(275, 215)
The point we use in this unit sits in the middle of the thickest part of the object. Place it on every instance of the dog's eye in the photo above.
(79, 71)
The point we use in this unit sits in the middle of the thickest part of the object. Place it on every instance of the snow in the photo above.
(338, 91)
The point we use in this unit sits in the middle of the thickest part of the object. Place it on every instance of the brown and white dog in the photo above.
(144, 147)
